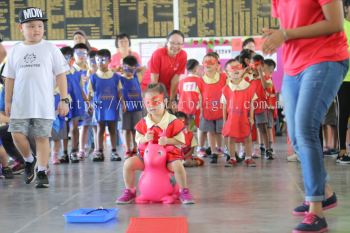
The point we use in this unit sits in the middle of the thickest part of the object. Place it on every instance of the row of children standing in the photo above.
(97, 94)
(229, 105)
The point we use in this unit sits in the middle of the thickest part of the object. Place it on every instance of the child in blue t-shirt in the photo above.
(88, 134)
(104, 89)
(77, 108)
(132, 103)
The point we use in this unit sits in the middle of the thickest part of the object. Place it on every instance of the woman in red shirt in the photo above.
(167, 64)
(315, 54)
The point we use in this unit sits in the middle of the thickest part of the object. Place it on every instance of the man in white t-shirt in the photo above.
(34, 67)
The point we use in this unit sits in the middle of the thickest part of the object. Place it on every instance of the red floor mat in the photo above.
(158, 225)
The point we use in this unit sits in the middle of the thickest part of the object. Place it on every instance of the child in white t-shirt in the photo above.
(34, 67)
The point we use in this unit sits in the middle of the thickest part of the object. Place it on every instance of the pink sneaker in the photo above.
(127, 197)
(186, 197)
(201, 153)
(55, 159)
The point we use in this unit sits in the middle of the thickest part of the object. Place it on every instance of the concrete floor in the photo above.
(240, 199)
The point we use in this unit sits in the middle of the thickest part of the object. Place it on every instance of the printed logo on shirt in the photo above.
(29, 59)
(190, 86)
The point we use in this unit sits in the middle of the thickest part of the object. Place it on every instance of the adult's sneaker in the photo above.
(311, 223)
(303, 209)
(29, 171)
(41, 180)
(127, 197)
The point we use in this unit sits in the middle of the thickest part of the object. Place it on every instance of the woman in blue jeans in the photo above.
(315, 55)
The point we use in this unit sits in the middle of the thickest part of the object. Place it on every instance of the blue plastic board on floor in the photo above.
(91, 215)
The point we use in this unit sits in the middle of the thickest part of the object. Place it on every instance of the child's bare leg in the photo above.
(248, 147)
(179, 172)
(126, 136)
(22, 144)
(112, 134)
(231, 147)
(75, 135)
(56, 146)
(132, 165)
(132, 134)
(100, 133)
(43, 152)
(218, 138)
(94, 130)
(212, 141)
(201, 139)
(3, 157)
(83, 137)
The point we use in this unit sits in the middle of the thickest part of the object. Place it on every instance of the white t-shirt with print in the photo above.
(34, 69)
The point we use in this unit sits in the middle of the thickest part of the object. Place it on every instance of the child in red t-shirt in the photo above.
(158, 126)
(269, 67)
(238, 113)
(260, 106)
(189, 94)
(211, 109)
(190, 143)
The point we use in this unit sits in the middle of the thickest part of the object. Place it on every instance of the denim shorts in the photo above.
(35, 127)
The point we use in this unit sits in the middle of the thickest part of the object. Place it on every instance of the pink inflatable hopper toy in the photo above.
(157, 183)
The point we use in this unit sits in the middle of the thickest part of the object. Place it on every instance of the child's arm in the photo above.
(251, 113)
(262, 78)
(9, 83)
(224, 113)
(141, 139)
(3, 118)
(120, 96)
(61, 81)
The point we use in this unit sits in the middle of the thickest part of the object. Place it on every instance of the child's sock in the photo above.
(42, 168)
(29, 159)
(270, 144)
(132, 190)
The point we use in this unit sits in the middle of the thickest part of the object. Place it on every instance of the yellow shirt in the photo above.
(347, 33)
(163, 124)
